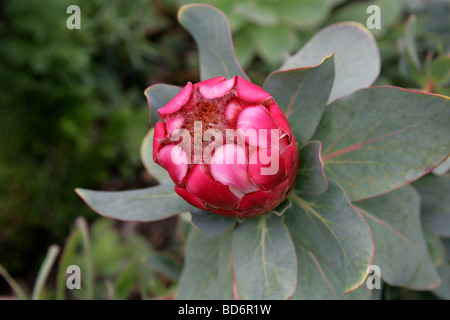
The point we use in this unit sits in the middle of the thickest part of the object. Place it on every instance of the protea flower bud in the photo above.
(227, 146)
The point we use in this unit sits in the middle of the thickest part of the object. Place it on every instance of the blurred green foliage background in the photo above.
(73, 113)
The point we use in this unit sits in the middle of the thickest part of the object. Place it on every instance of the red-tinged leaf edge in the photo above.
(371, 235)
(425, 172)
(294, 69)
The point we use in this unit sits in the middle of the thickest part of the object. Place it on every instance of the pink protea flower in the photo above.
(227, 146)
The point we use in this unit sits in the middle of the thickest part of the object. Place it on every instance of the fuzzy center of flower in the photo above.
(208, 114)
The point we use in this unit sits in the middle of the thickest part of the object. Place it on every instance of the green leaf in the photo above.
(210, 224)
(311, 177)
(158, 172)
(108, 249)
(66, 259)
(440, 70)
(145, 277)
(435, 204)
(158, 95)
(16, 288)
(207, 270)
(303, 13)
(381, 138)
(211, 31)
(363, 293)
(333, 243)
(434, 244)
(356, 56)
(409, 41)
(264, 264)
(409, 64)
(401, 251)
(256, 11)
(281, 209)
(150, 204)
(443, 90)
(227, 7)
(82, 225)
(302, 94)
(274, 43)
(44, 271)
(164, 264)
(244, 52)
(391, 12)
(125, 281)
(443, 291)
(318, 281)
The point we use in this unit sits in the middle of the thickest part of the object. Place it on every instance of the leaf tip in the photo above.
(79, 191)
(185, 7)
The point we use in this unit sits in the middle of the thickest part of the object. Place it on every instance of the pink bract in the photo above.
(254, 159)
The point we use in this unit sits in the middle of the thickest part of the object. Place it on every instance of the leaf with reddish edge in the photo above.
(331, 237)
(311, 177)
(264, 263)
(318, 281)
(435, 202)
(211, 224)
(207, 269)
(356, 56)
(211, 31)
(381, 138)
(401, 250)
(150, 204)
(158, 95)
(302, 94)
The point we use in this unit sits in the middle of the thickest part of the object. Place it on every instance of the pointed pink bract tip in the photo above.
(216, 90)
(209, 82)
(177, 102)
(249, 91)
